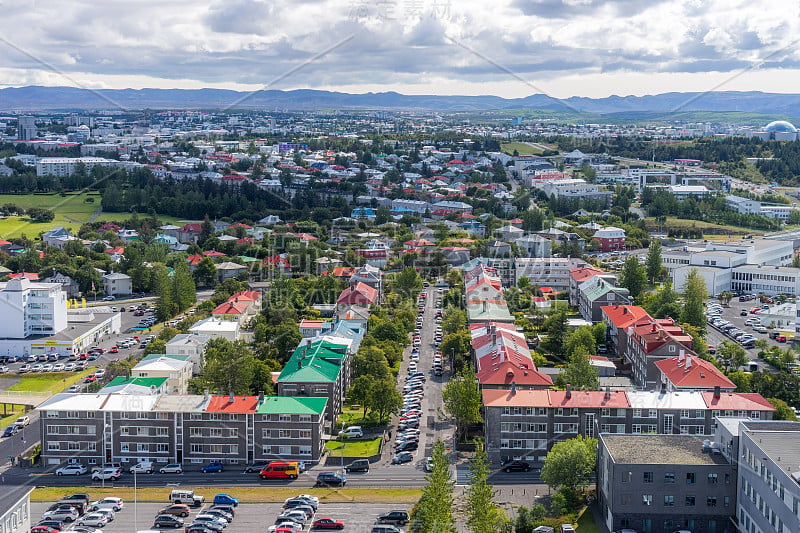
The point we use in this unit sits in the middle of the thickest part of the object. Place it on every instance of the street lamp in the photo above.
(135, 516)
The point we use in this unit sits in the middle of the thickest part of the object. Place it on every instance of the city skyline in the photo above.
(511, 49)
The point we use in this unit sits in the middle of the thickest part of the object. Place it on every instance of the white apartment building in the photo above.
(65, 166)
(748, 206)
(770, 280)
(547, 271)
(572, 187)
(32, 309)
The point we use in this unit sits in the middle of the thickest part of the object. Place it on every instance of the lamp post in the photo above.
(135, 515)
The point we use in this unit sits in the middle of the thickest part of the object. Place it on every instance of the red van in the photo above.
(280, 470)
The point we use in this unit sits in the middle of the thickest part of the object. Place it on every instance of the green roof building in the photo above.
(318, 369)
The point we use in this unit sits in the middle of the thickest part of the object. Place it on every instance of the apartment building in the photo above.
(598, 292)
(664, 483)
(503, 359)
(553, 272)
(618, 318)
(186, 429)
(29, 308)
(524, 424)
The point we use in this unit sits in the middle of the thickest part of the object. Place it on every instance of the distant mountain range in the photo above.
(36, 98)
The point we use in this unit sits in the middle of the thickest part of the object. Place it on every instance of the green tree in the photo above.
(732, 355)
(407, 282)
(386, 399)
(434, 510)
(663, 303)
(569, 463)
(166, 306)
(228, 367)
(370, 361)
(582, 341)
(205, 273)
(456, 345)
(633, 276)
(653, 262)
(185, 292)
(462, 400)
(360, 392)
(782, 410)
(453, 319)
(529, 518)
(579, 373)
(694, 293)
(483, 514)
(555, 326)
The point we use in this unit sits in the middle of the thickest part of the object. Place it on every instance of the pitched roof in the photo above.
(693, 373)
(360, 293)
(581, 398)
(318, 361)
(623, 316)
(241, 404)
(507, 373)
(737, 401)
(230, 308)
(291, 405)
(520, 398)
(581, 274)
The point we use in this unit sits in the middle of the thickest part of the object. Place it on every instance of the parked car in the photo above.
(212, 467)
(516, 466)
(144, 467)
(22, 421)
(93, 519)
(109, 502)
(353, 432)
(106, 474)
(225, 499)
(75, 469)
(64, 513)
(402, 458)
(330, 479)
(11, 430)
(327, 522)
(176, 510)
(394, 517)
(167, 520)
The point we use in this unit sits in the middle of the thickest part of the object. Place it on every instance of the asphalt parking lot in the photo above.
(733, 315)
(250, 517)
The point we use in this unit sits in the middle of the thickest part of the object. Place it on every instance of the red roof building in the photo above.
(688, 373)
(737, 403)
(618, 318)
(240, 404)
(360, 294)
(230, 309)
(31, 276)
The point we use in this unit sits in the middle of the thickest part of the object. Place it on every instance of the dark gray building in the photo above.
(664, 483)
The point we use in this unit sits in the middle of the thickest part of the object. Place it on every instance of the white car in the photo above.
(107, 473)
(99, 373)
(65, 514)
(69, 367)
(22, 421)
(353, 432)
(93, 520)
(76, 469)
(142, 468)
(213, 521)
(173, 468)
(110, 502)
(58, 367)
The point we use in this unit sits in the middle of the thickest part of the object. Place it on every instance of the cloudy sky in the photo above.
(510, 48)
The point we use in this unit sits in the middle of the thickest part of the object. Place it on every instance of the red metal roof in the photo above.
(230, 308)
(623, 316)
(737, 401)
(697, 374)
(580, 398)
(581, 274)
(240, 404)
(507, 373)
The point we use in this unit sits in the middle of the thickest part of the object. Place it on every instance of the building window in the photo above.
(669, 501)
(626, 477)
(713, 478)
(711, 501)
(648, 477)
(690, 501)
(162, 448)
(690, 478)
(669, 477)
(647, 499)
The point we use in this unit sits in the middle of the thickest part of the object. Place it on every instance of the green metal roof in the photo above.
(601, 288)
(292, 405)
(322, 362)
(142, 382)
(179, 357)
(494, 312)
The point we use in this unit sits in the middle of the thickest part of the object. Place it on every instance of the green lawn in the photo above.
(522, 148)
(71, 211)
(11, 416)
(586, 522)
(353, 448)
(353, 417)
(50, 382)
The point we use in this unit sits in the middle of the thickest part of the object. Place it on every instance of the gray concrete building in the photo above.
(664, 483)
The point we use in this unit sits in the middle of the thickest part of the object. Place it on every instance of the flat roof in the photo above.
(660, 450)
(672, 400)
(778, 442)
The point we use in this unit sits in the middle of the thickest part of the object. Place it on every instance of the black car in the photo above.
(330, 479)
(516, 466)
(167, 520)
(394, 517)
(408, 446)
(11, 431)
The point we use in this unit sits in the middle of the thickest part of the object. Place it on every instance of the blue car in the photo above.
(213, 466)
(225, 499)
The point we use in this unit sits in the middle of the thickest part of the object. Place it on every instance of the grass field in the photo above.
(50, 382)
(586, 523)
(11, 416)
(71, 210)
(522, 148)
(354, 417)
(353, 448)
(265, 494)
(684, 223)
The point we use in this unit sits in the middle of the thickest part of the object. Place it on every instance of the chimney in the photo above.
(299, 364)
(260, 397)
(569, 390)
(303, 353)
(688, 362)
(663, 387)
(230, 398)
(717, 391)
(653, 327)
(624, 310)
(494, 338)
(513, 387)
(308, 343)
(681, 357)
(485, 306)
(608, 393)
(206, 394)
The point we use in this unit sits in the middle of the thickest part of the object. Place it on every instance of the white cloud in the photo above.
(572, 47)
